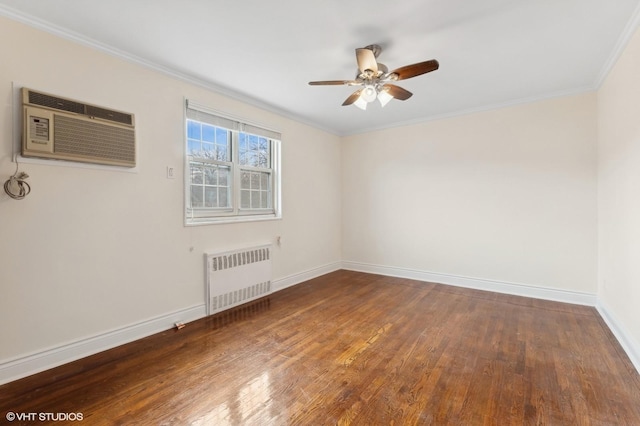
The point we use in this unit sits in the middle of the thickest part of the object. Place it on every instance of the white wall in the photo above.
(619, 198)
(92, 251)
(507, 195)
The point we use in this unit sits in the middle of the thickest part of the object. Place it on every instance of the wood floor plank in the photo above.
(350, 348)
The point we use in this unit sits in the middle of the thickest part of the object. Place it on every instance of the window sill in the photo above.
(230, 219)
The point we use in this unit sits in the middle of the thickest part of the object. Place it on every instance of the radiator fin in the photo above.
(226, 261)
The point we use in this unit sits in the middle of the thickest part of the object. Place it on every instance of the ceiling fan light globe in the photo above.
(369, 94)
(361, 103)
(384, 97)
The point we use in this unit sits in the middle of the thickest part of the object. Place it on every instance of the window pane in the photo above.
(223, 197)
(208, 182)
(245, 199)
(194, 147)
(253, 159)
(211, 176)
(223, 176)
(242, 157)
(245, 180)
(253, 142)
(264, 199)
(222, 153)
(208, 133)
(264, 159)
(256, 189)
(208, 150)
(250, 159)
(196, 196)
(211, 197)
(223, 142)
(222, 135)
(254, 151)
(196, 174)
(224, 187)
(255, 180)
(255, 199)
(193, 130)
(207, 141)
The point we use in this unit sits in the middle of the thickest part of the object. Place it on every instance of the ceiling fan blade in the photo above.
(366, 60)
(352, 98)
(416, 69)
(333, 83)
(398, 92)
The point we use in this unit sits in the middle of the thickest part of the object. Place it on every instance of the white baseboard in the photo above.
(291, 280)
(556, 295)
(49, 358)
(628, 343)
(44, 360)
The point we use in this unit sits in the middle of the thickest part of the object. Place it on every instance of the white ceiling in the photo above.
(491, 52)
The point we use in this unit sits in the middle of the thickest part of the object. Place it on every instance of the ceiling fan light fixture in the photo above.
(376, 81)
(369, 93)
(361, 103)
(384, 97)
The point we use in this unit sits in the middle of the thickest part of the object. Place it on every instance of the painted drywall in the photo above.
(507, 195)
(619, 197)
(90, 251)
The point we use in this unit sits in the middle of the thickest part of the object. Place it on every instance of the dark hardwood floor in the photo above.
(354, 348)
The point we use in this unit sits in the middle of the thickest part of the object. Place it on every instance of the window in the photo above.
(232, 171)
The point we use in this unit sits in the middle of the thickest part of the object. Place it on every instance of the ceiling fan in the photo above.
(376, 80)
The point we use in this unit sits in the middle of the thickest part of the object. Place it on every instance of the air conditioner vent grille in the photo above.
(107, 114)
(61, 104)
(49, 101)
(93, 140)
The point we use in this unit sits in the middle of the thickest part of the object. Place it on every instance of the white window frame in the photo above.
(234, 213)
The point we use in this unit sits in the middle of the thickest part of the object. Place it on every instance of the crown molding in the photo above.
(77, 38)
(483, 108)
(626, 35)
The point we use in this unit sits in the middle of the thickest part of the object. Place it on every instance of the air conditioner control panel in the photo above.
(39, 130)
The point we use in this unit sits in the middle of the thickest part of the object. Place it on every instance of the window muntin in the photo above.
(254, 154)
(210, 185)
(231, 174)
(254, 151)
(255, 190)
(207, 141)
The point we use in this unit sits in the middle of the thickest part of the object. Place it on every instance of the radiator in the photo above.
(237, 277)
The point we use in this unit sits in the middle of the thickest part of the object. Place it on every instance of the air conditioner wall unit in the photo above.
(64, 129)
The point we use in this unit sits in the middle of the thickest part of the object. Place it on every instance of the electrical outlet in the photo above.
(171, 172)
